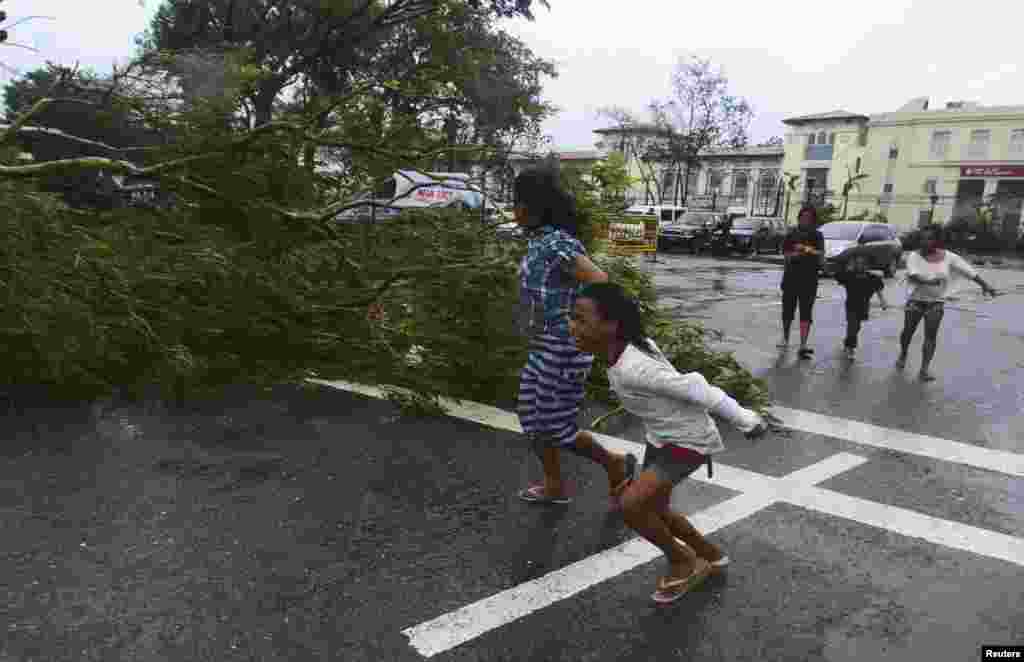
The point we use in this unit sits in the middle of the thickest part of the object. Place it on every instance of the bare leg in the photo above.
(931, 338)
(586, 446)
(683, 530)
(551, 458)
(911, 319)
(805, 332)
(641, 513)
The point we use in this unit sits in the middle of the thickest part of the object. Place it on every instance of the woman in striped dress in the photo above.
(552, 382)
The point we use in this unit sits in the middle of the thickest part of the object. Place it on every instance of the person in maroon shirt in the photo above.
(804, 249)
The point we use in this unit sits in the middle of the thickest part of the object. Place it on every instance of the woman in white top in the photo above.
(681, 435)
(931, 272)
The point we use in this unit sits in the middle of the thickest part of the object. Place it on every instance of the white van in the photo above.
(410, 189)
(664, 213)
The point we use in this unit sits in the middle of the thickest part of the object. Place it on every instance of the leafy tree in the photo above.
(637, 143)
(851, 184)
(792, 179)
(612, 175)
(774, 141)
(250, 277)
(702, 116)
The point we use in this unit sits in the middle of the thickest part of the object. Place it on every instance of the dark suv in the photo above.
(692, 230)
(876, 241)
(756, 235)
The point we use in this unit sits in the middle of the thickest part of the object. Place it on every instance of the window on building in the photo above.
(894, 152)
(887, 188)
(931, 185)
(739, 184)
(821, 138)
(831, 139)
(939, 146)
(667, 182)
(856, 168)
(978, 147)
(1017, 144)
(810, 139)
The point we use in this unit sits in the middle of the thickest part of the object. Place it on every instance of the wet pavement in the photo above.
(314, 524)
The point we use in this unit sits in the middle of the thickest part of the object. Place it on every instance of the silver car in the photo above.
(878, 242)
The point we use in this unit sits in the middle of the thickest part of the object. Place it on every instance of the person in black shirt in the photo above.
(804, 249)
(860, 285)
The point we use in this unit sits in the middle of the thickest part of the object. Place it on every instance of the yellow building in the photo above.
(919, 163)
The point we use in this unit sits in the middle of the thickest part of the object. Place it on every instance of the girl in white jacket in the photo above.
(681, 435)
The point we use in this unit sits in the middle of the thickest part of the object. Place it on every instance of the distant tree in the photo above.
(851, 184)
(774, 141)
(637, 144)
(612, 175)
(791, 180)
(701, 116)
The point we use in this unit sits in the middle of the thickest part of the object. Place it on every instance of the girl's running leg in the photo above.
(586, 446)
(682, 529)
(911, 318)
(932, 321)
(641, 510)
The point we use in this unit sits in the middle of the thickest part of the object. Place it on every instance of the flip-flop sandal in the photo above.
(615, 498)
(670, 590)
(720, 564)
(535, 494)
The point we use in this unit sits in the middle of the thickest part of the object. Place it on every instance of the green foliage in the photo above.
(612, 175)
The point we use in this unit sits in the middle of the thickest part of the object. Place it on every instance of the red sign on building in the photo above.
(991, 171)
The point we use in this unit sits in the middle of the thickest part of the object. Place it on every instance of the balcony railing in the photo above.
(818, 153)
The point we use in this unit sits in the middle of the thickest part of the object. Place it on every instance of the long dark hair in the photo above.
(614, 304)
(540, 191)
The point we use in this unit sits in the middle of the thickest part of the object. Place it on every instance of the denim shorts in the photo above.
(667, 466)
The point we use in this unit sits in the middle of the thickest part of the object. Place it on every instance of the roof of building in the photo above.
(568, 155)
(949, 111)
(639, 127)
(752, 150)
(831, 115)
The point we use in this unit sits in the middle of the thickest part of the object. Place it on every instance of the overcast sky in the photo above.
(789, 58)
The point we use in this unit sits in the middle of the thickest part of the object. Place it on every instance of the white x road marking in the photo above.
(757, 492)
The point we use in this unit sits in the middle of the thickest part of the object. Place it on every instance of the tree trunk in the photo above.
(686, 185)
(452, 129)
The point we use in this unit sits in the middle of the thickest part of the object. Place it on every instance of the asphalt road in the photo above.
(887, 523)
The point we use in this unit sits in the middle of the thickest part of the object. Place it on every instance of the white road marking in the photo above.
(462, 625)
(457, 627)
(905, 442)
(471, 621)
(757, 492)
(856, 432)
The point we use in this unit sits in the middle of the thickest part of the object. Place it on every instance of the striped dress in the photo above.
(551, 384)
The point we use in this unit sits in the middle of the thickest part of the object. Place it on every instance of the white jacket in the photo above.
(675, 407)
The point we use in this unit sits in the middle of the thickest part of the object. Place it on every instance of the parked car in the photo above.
(692, 230)
(756, 235)
(877, 241)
